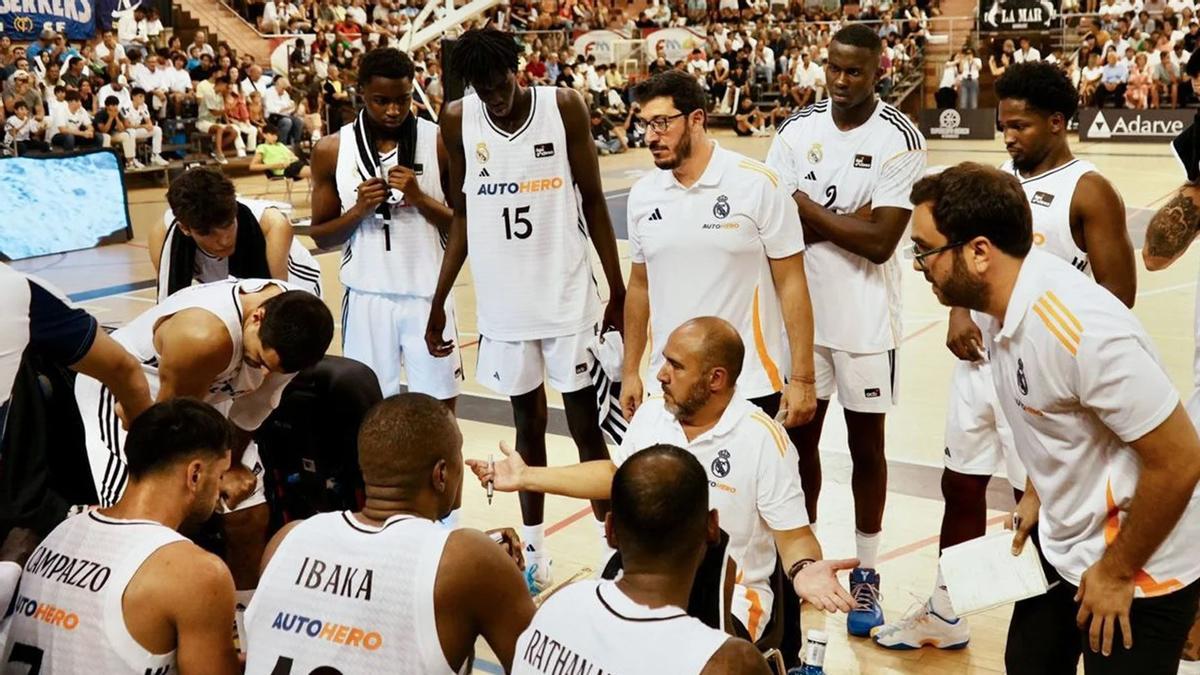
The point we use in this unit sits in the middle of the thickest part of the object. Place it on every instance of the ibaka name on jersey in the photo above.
(335, 579)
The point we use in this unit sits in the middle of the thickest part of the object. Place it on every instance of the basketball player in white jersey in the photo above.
(207, 235)
(837, 157)
(1077, 216)
(1171, 231)
(119, 589)
(752, 484)
(386, 589)
(661, 524)
(235, 342)
(525, 188)
(378, 187)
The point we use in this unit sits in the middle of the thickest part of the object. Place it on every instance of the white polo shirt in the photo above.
(707, 248)
(1079, 379)
(754, 485)
(856, 303)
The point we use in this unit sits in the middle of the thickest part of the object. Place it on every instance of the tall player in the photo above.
(661, 524)
(378, 186)
(235, 340)
(1079, 217)
(837, 157)
(1172, 230)
(525, 187)
(390, 590)
(208, 235)
(119, 589)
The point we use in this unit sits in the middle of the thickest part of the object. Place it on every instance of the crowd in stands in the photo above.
(1130, 56)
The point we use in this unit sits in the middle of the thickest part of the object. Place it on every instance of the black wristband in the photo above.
(797, 567)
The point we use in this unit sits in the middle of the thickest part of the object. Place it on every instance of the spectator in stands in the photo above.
(154, 28)
(255, 80)
(200, 42)
(763, 64)
(23, 132)
(72, 127)
(153, 79)
(887, 26)
(110, 123)
(108, 50)
(237, 113)
(1027, 53)
(44, 42)
(1114, 78)
(947, 92)
(566, 78)
(281, 111)
(88, 98)
(131, 27)
(23, 91)
(204, 68)
(536, 73)
(1165, 79)
(969, 67)
(274, 17)
(1089, 80)
(1137, 94)
(212, 120)
(181, 91)
(119, 88)
(997, 63)
(336, 98)
(140, 125)
(258, 115)
(75, 73)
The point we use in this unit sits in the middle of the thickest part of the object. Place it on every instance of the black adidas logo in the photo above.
(811, 176)
(655, 216)
(484, 173)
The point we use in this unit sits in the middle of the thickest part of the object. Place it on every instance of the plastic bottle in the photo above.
(814, 653)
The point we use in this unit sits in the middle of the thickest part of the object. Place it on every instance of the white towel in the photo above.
(608, 349)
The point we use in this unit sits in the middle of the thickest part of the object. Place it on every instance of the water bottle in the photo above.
(814, 653)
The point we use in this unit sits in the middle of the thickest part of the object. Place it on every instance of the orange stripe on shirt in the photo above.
(760, 345)
(1067, 312)
(1062, 321)
(776, 433)
(1148, 585)
(1052, 326)
(756, 612)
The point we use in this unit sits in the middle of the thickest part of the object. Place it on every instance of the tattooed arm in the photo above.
(1172, 229)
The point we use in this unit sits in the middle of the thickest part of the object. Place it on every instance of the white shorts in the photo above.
(387, 333)
(515, 368)
(203, 126)
(105, 438)
(979, 441)
(864, 383)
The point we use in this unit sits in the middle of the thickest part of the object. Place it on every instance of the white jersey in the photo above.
(525, 230)
(404, 255)
(339, 593)
(875, 163)
(68, 616)
(303, 270)
(1050, 196)
(254, 394)
(592, 627)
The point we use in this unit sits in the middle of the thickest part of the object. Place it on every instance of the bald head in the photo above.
(715, 342)
(403, 438)
(660, 505)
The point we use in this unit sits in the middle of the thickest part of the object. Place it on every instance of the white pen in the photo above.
(491, 468)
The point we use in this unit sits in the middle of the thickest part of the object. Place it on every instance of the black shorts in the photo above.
(291, 171)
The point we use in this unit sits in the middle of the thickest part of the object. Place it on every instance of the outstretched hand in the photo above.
(505, 474)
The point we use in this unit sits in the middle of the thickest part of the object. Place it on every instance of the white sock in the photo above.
(450, 522)
(606, 551)
(867, 548)
(534, 538)
(1189, 667)
(940, 600)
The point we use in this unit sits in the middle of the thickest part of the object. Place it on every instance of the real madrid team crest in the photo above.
(815, 154)
(721, 208)
(720, 465)
(481, 152)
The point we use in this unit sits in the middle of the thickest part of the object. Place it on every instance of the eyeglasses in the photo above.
(919, 255)
(659, 125)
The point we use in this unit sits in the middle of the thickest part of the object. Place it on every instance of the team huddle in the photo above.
(758, 291)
